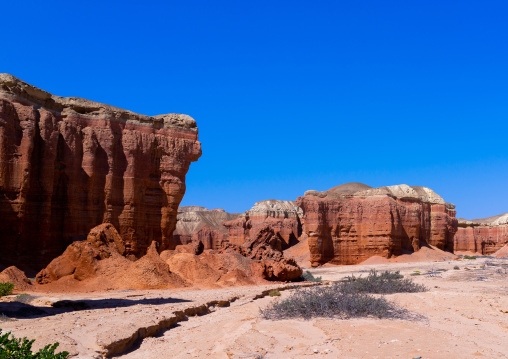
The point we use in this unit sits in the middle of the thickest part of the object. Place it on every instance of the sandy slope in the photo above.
(465, 314)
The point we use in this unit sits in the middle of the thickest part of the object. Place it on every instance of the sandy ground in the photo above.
(464, 314)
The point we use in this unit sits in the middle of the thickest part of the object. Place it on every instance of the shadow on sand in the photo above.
(18, 310)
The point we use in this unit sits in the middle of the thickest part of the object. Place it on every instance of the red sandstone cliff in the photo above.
(352, 222)
(484, 235)
(68, 164)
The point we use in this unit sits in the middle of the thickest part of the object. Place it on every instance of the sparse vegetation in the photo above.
(348, 299)
(12, 348)
(308, 277)
(502, 271)
(456, 268)
(25, 298)
(384, 283)
(4, 318)
(433, 273)
(274, 293)
(6, 288)
(469, 257)
(330, 301)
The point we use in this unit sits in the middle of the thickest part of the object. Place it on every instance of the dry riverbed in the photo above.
(464, 314)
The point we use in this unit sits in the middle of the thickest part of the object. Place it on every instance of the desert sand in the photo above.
(464, 314)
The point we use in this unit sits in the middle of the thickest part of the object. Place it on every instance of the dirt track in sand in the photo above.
(465, 315)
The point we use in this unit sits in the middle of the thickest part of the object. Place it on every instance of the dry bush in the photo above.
(384, 283)
(331, 301)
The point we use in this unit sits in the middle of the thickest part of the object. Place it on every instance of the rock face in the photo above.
(68, 164)
(485, 235)
(285, 217)
(352, 222)
(200, 225)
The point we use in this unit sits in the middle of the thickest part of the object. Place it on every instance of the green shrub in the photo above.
(6, 288)
(331, 301)
(308, 277)
(469, 257)
(274, 293)
(384, 283)
(12, 348)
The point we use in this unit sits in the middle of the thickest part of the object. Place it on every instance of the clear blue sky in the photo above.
(293, 95)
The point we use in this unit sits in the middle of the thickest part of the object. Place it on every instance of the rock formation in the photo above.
(17, 277)
(68, 164)
(200, 225)
(484, 236)
(352, 222)
(101, 262)
(285, 217)
(260, 235)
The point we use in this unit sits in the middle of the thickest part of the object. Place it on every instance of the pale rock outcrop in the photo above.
(68, 164)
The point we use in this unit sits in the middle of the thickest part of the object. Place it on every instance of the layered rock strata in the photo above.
(352, 222)
(285, 217)
(68, 164)
(485, 235)
(200, 225)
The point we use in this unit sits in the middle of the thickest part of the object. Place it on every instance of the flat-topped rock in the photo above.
(485, 236)
(352, 222)
(402, 191)
(499, 220)
(15, 89)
